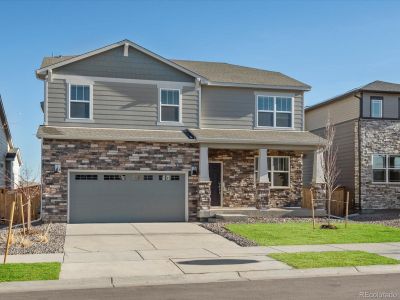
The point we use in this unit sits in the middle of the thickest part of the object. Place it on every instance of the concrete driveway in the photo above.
(155, 249)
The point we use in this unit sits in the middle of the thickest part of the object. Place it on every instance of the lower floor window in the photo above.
(278, 170)
(386, 168)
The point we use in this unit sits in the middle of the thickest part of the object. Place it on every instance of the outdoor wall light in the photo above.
(193, 171)
(57, 168)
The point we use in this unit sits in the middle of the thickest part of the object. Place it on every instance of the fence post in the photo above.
(312, 208)
(29, 208)
(22, 211)
(9, 231)
(347, 209)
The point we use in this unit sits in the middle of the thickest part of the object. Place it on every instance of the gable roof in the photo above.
(50, 63)
(211, 73)
(375, 86)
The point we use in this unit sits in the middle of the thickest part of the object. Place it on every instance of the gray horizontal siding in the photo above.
(235, 108)
(121, 105)
(390, 102)
(344, 141)
(113, 63)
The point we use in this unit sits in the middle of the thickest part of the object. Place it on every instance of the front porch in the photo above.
(250, 181)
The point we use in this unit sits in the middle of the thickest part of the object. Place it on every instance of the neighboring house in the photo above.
(10, 158)
(367, 122)
(131, 136)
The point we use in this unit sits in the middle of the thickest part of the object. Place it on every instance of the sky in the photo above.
(333, 46)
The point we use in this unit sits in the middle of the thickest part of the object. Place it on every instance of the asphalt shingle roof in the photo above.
(221, 73)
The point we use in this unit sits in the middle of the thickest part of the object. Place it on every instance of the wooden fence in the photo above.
(338, 204)
(8, 196)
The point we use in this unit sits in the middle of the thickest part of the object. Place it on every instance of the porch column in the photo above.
(263, 184)
(203, 208)
(318, 183)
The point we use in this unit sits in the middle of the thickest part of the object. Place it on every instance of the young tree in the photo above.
(329, 165)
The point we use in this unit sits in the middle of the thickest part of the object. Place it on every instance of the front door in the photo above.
(215, 172)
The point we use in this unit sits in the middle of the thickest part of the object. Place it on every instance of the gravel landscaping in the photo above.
(386, 218)
(36, 242)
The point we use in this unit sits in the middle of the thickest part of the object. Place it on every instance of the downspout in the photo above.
(359, 147)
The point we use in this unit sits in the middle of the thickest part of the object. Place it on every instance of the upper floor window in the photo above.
(376, 108)
(386, 168)
(170, 105)
(79, 101)
(274, 111)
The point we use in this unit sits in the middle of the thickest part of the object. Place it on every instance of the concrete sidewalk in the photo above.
(104, 255)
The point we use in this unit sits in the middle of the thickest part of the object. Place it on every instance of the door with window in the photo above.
(215, 173)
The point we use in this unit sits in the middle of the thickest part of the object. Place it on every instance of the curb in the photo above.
(117, 282)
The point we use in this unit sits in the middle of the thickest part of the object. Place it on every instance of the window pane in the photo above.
(80, 110)
(394, 175)
(394, 161)
(283, 120)
(265, 103)
(283, 104)
(164, 97)
(379, 175)
(281, 179)
(281, 164)
(376, 108)
(379, 161)
(265, 119)
(73, 92)
(86, 93)
(79, 92)
(170, 97)
(170, 113)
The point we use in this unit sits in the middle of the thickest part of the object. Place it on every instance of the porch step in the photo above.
(232, 217)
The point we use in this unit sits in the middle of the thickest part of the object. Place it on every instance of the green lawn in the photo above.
(27, 272)
(304, 260)
(291, 233)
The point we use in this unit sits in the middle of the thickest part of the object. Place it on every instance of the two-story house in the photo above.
(129, 135)
(10, 156)
(367, 122)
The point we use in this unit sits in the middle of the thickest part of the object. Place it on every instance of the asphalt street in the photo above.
(346, 287)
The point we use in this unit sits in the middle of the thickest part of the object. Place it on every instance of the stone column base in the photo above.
(203, 208)
(263, 192)
(319, 193)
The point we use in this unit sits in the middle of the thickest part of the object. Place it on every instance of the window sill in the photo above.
(272, 128)
(79, 120)
(386, 183)
(177, 124)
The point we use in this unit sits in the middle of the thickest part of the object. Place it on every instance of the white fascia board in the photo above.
(261, 86)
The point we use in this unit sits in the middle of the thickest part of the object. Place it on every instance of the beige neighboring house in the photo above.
(367, 122)
(131, 136)
(10, 157)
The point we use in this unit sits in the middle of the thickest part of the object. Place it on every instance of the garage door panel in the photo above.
(130, 200)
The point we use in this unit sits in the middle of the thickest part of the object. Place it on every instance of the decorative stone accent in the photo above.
(110, 155)
(319, 194)
(263, 195)
(240, 185)
(204, 199)
(378, 137)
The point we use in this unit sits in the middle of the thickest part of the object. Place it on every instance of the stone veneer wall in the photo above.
(239, 183)
(110, 155)
(378, 137)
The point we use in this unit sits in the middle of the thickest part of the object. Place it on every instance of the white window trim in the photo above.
(380, 101)
(69, 118)
(274, 111)
(272, 171)
(170, 123)
(386, 169)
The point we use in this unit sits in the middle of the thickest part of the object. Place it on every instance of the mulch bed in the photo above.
(53, 244)
(387, 218)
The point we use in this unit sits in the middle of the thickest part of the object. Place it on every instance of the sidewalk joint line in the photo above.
(212, 252)
(141, 233)
(170, 259)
